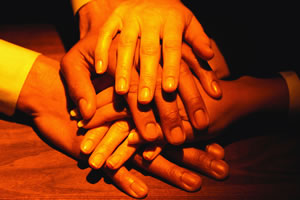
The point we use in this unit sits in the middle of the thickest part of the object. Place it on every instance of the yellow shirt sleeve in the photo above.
(77, 4)
(293, 83)
(15, 64)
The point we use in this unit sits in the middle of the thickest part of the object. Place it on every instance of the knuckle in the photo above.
(171, 117)
(172, 44)
(195, 102)
(127, 41)
(148, 79)
(133, 87)
(121, 125)
(184, 73)
(104, 34)
(175, 172)
(149, 49)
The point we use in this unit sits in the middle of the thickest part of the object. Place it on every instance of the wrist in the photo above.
(38, 84)
(244, 97)
(93, 15)
(251, 95)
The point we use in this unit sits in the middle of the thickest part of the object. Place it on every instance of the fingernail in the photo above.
(220, 167)
(87, 146)
(138, 189)
(83, 105)
(144, 95)
(216, 87)
(201, 119)
(151, 132)
(121, 87)
(80, 123)
(149, 152)
(113, 162)
(177, 136)
(194, 182)
(97, 161)
(134, 138)
(216, 150)
(169, 83)
(99, 67)
(74, 113)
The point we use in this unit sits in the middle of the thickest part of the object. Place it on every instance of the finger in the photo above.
(136, 138)
(107, 32)
(126, 51)
(200, 161)
(121, 154)
(215, 150)
(192, 99)
(92, 138)
(105, 97)
(169, 114)
(106, 113)
(149, 56)
(142, 115)
(174, 174)
(201, 68)
(79, 83)
(218, 62)
(152, 150)
(128, 182)
(172, 40)
(197, 38)
(115, 135)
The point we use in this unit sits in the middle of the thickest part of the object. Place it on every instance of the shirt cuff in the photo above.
(77, 4)
(15, 64)
(293, 83)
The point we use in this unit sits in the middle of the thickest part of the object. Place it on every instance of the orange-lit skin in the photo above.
(77, 65)
(152, 21)
(243, 96)
(47, 104)
(221, 112)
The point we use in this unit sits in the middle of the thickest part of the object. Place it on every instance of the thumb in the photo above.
(199, 41)
(77, 76)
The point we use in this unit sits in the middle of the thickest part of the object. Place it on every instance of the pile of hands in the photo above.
(140, 89)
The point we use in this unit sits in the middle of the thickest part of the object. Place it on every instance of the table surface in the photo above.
(264, 166)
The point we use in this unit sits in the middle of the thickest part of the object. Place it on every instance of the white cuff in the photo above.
(15, 64)
(293, 83)
(77, 4)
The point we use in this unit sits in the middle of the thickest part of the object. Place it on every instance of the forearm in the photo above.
(247, 96)
(263, 94)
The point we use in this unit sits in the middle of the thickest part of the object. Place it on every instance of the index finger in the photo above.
(199, 160)
(142, 115)
(172, 40)
(77, 76)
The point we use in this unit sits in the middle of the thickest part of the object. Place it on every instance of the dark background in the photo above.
(254, 37)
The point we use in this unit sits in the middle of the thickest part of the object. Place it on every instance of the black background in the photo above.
(255, 38)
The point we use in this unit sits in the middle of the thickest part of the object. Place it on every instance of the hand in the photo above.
(78, 63)
(209, 162)
(77, 68)
(43, 97)
(47, 104)
(243, 96)
(168, 20)
(166, 104)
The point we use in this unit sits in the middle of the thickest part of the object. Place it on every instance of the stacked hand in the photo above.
(47, 103)
(132, 58)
